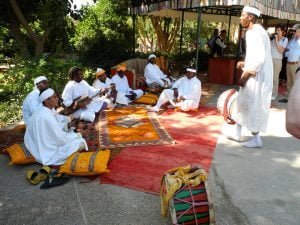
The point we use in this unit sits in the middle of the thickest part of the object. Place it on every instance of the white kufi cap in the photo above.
(46, 94)
(39, 79)
(151, 56)
(191, 70)
(252, 10)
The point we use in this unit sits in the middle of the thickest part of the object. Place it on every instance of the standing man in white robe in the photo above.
(31, 103)
(76, 88)
(254, 99)
(153, 74)
(106, 86)
(44, 137)
(125, 93)
(185, 95)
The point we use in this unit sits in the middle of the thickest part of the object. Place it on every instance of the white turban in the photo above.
(151, 56)
(46, 94)
(39, 79)
(191, 70)
(252, 10)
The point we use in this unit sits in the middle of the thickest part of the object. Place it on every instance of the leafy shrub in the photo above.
(16, 83)
(10, 113)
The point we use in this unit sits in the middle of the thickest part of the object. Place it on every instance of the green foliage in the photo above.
(103, 35)
(18, 82)
(10, 113)
(48, 19)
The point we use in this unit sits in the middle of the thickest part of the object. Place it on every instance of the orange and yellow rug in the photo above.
(131, 126)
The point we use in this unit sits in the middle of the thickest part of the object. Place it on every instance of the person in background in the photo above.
(293, 55)
(278, 46)
(31, 103)
(219, 46)
(211, 41)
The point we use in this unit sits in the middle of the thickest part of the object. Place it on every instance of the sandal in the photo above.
(54, 181)
(44, 172)
(33, 177)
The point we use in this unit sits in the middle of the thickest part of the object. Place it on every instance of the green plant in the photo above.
(18, 82)
(10, 113)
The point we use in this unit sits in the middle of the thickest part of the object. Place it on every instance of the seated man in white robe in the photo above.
(31, 103)
(125, 93)
(185, 95)
(153, 74)
(77, 89)
(44, 137)
(107, 87)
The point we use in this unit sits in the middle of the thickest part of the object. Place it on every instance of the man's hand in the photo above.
(181, 98)
(240, 64)
(244, 78)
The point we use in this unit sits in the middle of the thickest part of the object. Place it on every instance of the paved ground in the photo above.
(249, 186)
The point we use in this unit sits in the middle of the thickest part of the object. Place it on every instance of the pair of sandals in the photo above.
(51, 179)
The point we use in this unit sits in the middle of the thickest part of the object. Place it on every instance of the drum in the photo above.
(227, 105)
(191, 203)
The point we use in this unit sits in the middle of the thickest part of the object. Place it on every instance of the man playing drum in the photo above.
(254, 99)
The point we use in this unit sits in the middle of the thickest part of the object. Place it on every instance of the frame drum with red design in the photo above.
(227, 105)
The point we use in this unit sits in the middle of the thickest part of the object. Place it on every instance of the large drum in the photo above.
(227, 105)
(189, 200)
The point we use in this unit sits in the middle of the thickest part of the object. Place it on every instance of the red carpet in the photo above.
(141, 168)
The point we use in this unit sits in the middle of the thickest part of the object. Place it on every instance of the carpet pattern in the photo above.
(142, 167)
(12, 136)
(131, 126)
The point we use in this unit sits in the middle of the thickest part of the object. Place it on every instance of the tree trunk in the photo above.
(166, 31)
(39, 41)
(14, 30)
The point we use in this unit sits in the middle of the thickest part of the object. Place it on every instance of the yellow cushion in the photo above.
(148, 99)
(86, 163)
(19, 155)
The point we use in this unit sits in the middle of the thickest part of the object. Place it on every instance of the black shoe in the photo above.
(54, 181)
(284, 100)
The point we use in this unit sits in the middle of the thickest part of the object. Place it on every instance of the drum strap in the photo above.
(174, 179)
(226, 116)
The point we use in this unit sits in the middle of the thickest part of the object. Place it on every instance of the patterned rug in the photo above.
(131, 126)
(11, 136)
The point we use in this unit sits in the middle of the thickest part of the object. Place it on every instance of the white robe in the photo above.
(253, 103)
(153, 74)
(30, 104)
(123, 89)
(47, 141)
(190, 89)
(101, 86)
(74, 90)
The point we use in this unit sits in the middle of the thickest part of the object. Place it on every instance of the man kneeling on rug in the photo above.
(46, 139)
(185, 94)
